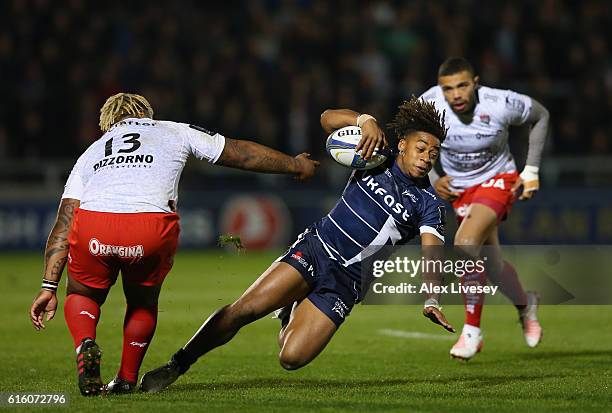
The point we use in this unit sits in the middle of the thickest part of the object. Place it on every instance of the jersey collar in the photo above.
(125, 120)
(407, 180)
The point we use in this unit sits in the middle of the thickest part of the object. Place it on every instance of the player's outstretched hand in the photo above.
(442, 187)
(529, 188)
(306, 167)
(436, 316)
(45, 302)
(372, 137)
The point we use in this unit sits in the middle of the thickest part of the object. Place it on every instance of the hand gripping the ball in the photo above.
(372, 138)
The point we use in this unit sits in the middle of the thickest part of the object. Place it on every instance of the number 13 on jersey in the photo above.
(130, 138)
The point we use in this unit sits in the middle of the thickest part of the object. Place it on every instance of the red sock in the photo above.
(473, 302)
(138, 329)
(82, 315)
(511, 287)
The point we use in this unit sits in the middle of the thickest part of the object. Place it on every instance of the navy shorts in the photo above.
(333, 292)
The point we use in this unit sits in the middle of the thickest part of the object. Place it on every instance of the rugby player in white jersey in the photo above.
(482, 183)
(118, 213)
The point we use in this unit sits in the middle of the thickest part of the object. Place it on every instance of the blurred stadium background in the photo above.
(265, 70)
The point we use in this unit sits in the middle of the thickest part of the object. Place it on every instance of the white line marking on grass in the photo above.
(415, 334)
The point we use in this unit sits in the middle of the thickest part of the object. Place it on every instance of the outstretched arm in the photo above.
(539, 119)
(432, 250)
(252, 156)
(372, 136)
(56, 254)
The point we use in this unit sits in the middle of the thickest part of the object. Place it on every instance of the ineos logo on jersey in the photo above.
(132, 251)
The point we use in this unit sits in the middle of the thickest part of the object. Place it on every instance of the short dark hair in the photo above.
(416, 115)
(454, 65)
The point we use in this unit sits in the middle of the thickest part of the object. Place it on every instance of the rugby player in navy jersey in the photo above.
(318, 281)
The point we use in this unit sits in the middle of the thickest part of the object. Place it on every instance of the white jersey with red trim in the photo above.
(137, 164)
(476, 151)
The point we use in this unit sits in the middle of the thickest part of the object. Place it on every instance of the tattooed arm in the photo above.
(252, 156)
(56, 251)
(56, 254)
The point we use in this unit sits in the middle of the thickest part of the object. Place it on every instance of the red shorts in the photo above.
(141, 246)
(496, 193)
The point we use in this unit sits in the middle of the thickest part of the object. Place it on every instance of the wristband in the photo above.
(49, 285)
(363, 118)
(530, 173)
(432, 302)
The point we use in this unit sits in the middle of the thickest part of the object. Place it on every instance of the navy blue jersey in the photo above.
(381, 206)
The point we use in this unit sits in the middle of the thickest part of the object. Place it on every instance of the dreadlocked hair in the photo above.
(418, 115)
(123, 105)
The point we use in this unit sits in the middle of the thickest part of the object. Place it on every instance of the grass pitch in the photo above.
(363, 368)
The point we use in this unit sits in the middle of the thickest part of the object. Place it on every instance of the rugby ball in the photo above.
(341, 145)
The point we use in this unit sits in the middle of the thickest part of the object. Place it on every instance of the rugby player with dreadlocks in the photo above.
(318, 280)
(118, 213)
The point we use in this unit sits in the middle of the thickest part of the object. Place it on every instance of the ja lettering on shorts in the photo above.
(332, 292)
(496, 193)
(140, 245)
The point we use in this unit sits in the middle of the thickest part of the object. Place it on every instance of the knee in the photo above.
(142, 303)
(98, 296)
(291, 359)
(141, 296)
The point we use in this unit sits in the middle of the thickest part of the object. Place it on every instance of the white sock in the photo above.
(471, 330)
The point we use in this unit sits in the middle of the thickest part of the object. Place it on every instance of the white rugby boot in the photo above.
(532, 330)
(469, 343)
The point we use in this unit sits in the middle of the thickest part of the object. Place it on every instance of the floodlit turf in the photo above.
(361, 370)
